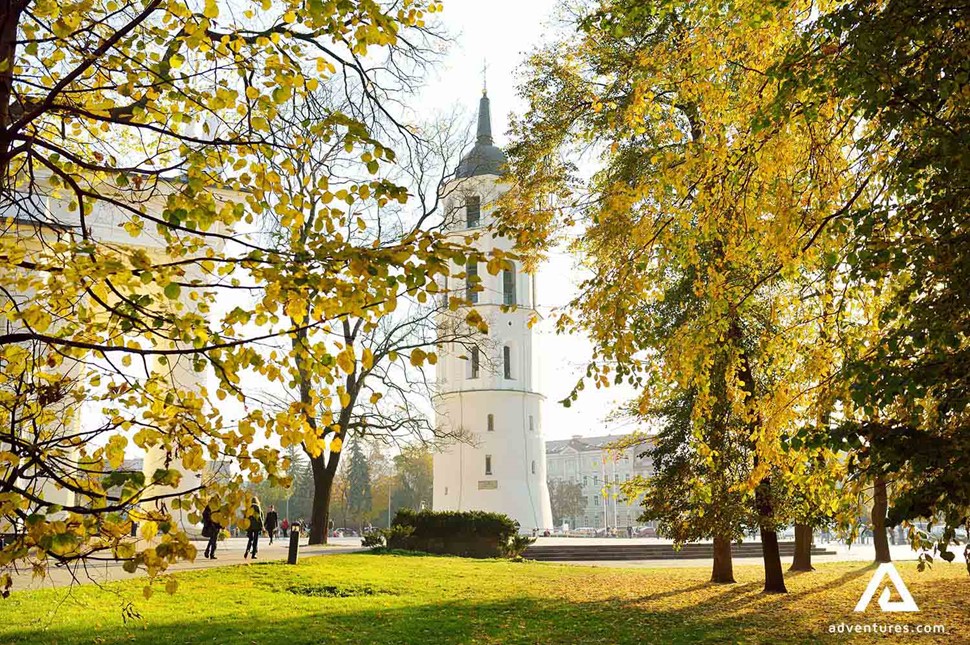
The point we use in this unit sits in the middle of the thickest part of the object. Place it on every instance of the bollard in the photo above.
(294, 545)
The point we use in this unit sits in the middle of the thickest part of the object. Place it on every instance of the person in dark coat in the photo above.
(255, 527)
(210, 529)
(270, 522)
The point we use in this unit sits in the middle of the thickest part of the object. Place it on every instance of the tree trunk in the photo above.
(774, 576)
(323, 476)
(723, 570)
(10, 13)
(880, 506)
(803, 549)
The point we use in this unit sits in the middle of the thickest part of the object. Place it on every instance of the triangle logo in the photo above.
(887, 570)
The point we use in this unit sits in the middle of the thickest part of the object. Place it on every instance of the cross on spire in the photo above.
(484, 76)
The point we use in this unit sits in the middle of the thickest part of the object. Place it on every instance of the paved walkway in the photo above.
(229, 552)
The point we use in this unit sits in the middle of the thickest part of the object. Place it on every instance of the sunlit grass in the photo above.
(365, 598)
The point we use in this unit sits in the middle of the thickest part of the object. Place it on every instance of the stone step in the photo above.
(652, 551)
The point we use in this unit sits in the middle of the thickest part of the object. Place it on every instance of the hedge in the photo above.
(476, 534)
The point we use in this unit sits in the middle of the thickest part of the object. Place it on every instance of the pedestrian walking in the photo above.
(255, 527)
(285, 527)
(210, 529)
(270, 522)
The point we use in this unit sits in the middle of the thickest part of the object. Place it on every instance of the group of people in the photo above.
(256, 523)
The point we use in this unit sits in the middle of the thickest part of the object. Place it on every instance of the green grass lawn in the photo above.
(364, 598)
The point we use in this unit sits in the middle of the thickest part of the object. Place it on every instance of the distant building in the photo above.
(589, 462)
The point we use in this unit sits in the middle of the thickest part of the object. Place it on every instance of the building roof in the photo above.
(485, 158)
(583, 444)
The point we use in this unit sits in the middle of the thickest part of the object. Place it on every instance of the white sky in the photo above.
(502, 33)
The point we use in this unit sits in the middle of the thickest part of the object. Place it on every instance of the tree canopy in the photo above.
(139, 148)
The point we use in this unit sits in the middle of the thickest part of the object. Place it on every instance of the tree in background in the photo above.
(413, 478)
(692, 498)
(566, 499)
(363, 374)
(359, 497)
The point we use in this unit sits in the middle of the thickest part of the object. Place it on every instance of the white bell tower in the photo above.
(488, 395)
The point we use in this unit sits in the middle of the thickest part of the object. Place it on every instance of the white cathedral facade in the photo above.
(488, 394)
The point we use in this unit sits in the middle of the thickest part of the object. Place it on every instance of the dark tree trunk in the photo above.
(880, 506)
(803, 549)
(774, 576)
(10, 12)
(723, 570)
(323, 476)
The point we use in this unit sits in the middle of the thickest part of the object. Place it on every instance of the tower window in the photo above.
(491, 423)
(488, 464)
(507, 361)
(473, 211)
(533, 466)
(474, 363)
(508, 286)
(532, 423)
(471, 279)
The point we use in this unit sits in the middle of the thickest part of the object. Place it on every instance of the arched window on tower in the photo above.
(488, 464)
(507, 361)
(533, 466)
(491, 423)
(473, 211)
(508, 286)
(474, 363)
(471, 280)
(532, 423)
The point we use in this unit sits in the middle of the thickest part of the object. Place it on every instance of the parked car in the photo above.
(584, 531)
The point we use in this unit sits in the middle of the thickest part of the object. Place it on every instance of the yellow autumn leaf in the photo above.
(418, 356)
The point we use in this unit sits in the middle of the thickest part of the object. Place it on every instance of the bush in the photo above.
(468, 533)
(373, 539)
(397, 537)
(517, 545)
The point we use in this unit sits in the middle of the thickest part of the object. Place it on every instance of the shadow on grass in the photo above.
(262, 608)
(518, 620)
(746, 593)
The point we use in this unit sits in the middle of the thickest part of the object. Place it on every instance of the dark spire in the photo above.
(484, 121)
(485, 158)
